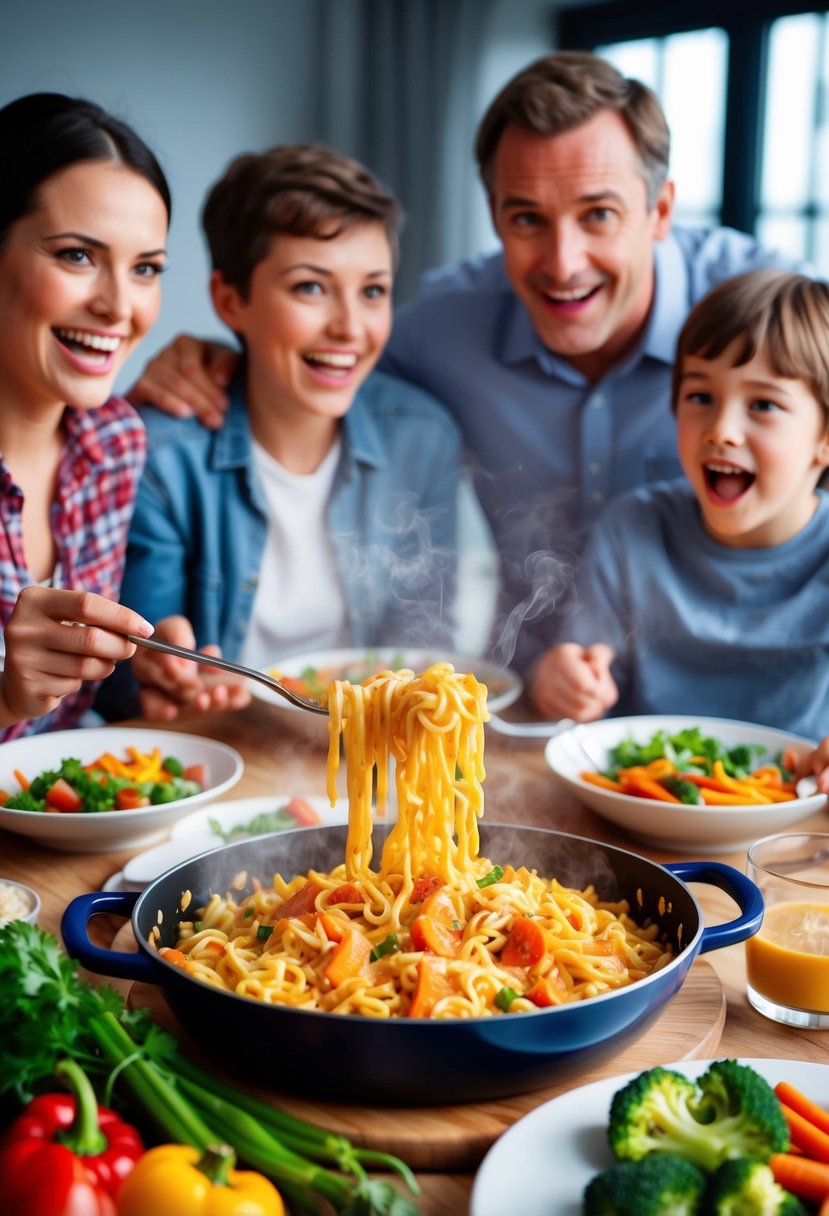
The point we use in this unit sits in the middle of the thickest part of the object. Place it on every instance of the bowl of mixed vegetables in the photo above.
(689, 784)
(114, 788)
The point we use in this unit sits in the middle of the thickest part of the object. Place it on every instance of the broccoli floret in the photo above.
(662, 1185)
(745, 1186)
(654, 1113)
(25, 801)
(731, 1112)
(741, 1112)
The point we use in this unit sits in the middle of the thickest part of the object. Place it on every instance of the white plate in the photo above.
(242, 810)
(108, 830)
(696, 829)
(503, 684)
(541, 1166)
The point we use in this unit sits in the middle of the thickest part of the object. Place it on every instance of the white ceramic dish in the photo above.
(18, 891)
(696, 829)
(242, 810)
(542, 1164)
(101, 832)
(193, 834)
(503, 684)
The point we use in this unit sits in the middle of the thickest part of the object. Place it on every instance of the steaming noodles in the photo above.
(436, 930)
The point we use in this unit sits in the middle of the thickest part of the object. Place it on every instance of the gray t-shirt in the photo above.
(703, 628)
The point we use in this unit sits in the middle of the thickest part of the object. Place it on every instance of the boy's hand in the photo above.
(170, 685)
(570, 681)
(188, 377)
(48, 656)
(814, 764)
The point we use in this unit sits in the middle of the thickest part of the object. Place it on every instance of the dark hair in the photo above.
(785, 314)
(42, 133)
(299, 189)
(560, 92)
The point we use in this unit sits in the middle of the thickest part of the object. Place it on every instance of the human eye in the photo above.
(697, 396)
(764, 405)
(149, 270)
(600, 217)
(527, 220)
(307, 287)
(74, 255)
(376, 291)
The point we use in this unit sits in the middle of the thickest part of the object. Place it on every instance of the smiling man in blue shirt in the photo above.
(554, 355)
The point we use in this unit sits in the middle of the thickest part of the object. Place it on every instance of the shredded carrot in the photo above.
(604, 782)
(636, 781)
(24, 785)
(764, 786)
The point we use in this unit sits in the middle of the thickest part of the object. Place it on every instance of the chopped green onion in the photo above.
(264, 932)
(505, 998)
(494, 875)
(385, 947)
(248, 912)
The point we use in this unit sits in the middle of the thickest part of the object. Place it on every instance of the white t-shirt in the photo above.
(299, 604)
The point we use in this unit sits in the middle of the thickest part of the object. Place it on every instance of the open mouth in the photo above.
(726, 482)
(331, 362)
(95, 348)
(572, 299)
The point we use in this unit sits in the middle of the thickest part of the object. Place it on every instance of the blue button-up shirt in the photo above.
(200, 526)
(549, 447)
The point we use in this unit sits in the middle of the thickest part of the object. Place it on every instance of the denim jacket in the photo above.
(199, 529)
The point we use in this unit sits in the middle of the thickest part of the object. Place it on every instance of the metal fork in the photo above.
(250, 673)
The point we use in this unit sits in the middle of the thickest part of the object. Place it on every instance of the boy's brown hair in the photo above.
(560, 92)
(785, 314)
(296, 189)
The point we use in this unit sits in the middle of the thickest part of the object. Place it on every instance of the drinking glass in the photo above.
(787, 961)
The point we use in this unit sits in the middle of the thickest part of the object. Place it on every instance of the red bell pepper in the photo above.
(65, 1155)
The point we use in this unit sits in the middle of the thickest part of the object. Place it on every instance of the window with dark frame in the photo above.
(745, 94)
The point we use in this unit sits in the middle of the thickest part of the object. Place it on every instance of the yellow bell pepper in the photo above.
(179, 1180)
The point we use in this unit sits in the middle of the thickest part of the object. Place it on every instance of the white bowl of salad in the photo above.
(96, 790)
(685, 783)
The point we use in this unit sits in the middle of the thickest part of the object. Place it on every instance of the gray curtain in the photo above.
(396, 87)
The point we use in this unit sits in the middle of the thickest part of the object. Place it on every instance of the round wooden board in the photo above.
(457, 1137)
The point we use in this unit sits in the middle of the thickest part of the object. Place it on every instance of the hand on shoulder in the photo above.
(188, 377)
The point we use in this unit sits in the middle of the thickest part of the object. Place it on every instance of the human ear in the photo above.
(822, 454)
(226, 300)
(663, 210)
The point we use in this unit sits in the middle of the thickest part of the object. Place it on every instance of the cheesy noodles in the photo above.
(435, 930)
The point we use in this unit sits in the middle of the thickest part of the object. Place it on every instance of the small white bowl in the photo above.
(17, 893)
(689, 829)
(101, 832)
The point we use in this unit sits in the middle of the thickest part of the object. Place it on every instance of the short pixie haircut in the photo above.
(43, 133)
(560, 92)
(784, 314)
(293, 189)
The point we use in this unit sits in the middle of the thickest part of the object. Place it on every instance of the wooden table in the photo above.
(284, 752)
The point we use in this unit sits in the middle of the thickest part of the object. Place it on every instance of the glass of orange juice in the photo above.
(787, 961)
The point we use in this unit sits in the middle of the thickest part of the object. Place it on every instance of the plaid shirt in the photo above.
(102, 460)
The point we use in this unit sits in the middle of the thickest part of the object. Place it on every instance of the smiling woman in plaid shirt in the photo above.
(84, 212)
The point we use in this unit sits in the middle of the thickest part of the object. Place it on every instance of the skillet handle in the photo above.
(742, 890)
(74, 927)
